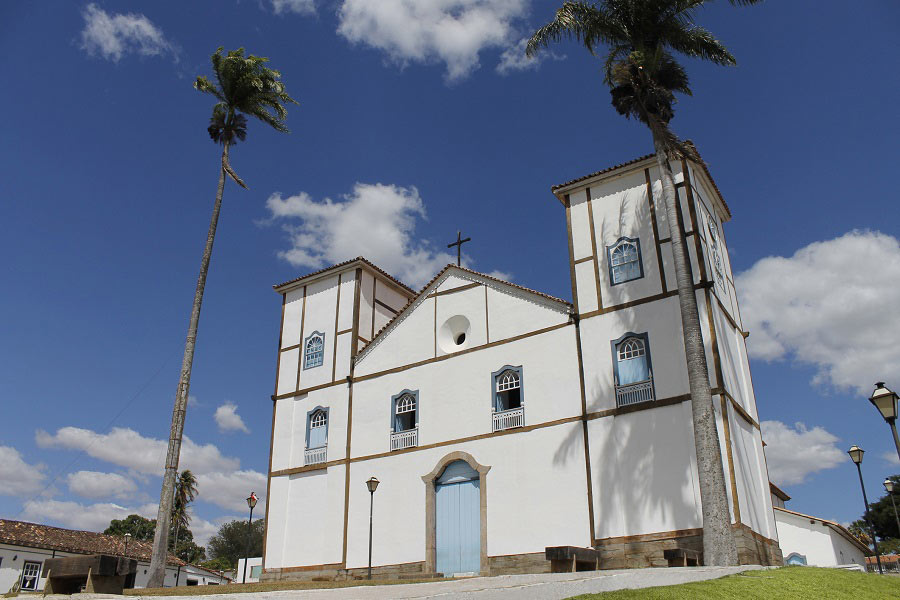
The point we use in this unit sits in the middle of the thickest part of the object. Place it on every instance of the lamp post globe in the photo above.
(885, 401)
(371, 485)
(251, 502)
(856, 454)
(127, 539)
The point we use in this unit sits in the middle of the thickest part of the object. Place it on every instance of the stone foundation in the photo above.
(629, 552)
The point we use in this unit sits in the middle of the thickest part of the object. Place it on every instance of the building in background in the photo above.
(25, 546)
(501, 420)
(816, 542)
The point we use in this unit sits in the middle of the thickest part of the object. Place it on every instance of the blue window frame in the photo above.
(632, 369)
(508, 387)
(405, 411)
(314, 350)
(624, 260)
(317, 428)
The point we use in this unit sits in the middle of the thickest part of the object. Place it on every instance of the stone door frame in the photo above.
(431, 508)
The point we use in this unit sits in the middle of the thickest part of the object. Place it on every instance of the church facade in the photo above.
(499, 420)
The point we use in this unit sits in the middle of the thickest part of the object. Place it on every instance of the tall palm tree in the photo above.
(243, 86)
(640, 37)
(185, 492)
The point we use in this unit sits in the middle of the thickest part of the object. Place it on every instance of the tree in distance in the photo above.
(243, 86)
(641, 38)
(230, 543)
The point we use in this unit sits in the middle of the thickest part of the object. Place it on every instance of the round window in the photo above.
(454, 334)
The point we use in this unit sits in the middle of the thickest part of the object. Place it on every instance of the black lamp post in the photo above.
(889, 486)
(372, 484)
(856, 455)
(128, 538)
(251, 502)
(886, 402)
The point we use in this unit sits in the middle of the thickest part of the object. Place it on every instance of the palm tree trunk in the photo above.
(718, 538)
(160, 539)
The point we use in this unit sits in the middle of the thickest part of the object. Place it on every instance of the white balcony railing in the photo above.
(404, 439)
(634, 393)
(314, 456)
(508, 419)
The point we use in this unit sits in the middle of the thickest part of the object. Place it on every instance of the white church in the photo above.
(499, 420)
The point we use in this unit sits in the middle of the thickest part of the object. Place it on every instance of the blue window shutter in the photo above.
(633, 370)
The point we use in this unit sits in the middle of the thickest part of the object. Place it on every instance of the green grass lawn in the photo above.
(787, 582)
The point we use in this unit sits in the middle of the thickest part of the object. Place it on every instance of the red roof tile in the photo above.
(343, 264)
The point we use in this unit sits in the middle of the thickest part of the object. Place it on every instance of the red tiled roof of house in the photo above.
(33, 535)
(343, 264)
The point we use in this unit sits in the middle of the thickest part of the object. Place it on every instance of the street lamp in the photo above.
(128, 539)
(886, 402)
(889, 486)
(856, 455)
(372, 484)
(251, 502)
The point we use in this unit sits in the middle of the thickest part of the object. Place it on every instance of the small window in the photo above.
(625, 260)
(314, 350)
(318, 429)
(508, 388)
(632, 370)
(192, 582)
(31, 574)
(255, 571)
(405, 412)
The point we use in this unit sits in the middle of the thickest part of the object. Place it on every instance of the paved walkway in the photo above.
(548, 586)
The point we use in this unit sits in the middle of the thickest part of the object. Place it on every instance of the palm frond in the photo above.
(584, 22)
(232, 174)
(697, 42)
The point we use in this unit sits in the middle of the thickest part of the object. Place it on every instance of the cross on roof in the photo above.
(458, 243)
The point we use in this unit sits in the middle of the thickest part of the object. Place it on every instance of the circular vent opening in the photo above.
(453, 334)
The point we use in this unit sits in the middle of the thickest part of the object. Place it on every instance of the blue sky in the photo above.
(109, 178)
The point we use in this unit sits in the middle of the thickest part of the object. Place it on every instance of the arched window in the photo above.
(508, 388)
(405, 412)
(318, 428)
(625, 260)
(314, 350)
(631, 360)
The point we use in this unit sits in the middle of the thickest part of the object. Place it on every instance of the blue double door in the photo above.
(458, 523)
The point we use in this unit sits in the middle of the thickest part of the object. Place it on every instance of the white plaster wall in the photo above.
(367, 301)
(452, 282)
(751, 477)
(586, 286)
(621, 209)
(530, 472)
(410, 341)
(348, 289)
(321, 303)
(815, 540)
(662, 321)
(510, 315)
(288, 363)
(293, 309)
(283, 433)
(456, 395)
(314, 519)
(276, 531)
(342, 367)
(644, 472)
(662, 221)
(581, 231)
(389, 294)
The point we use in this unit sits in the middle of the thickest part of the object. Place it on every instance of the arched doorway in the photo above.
(457, 523)
(456, 516)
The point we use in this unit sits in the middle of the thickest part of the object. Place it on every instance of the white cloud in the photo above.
(94, 484)
(111, 36)
(228, 420)
(375, 220)
(230, 490)
(793, 454)
(453, 32)
(300, 7)
(514, 59)
(891, 457)
(17, 477)
(832, 305)
(127, 448)
(87, 517)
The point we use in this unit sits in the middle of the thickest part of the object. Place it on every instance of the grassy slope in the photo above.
(788, 582)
